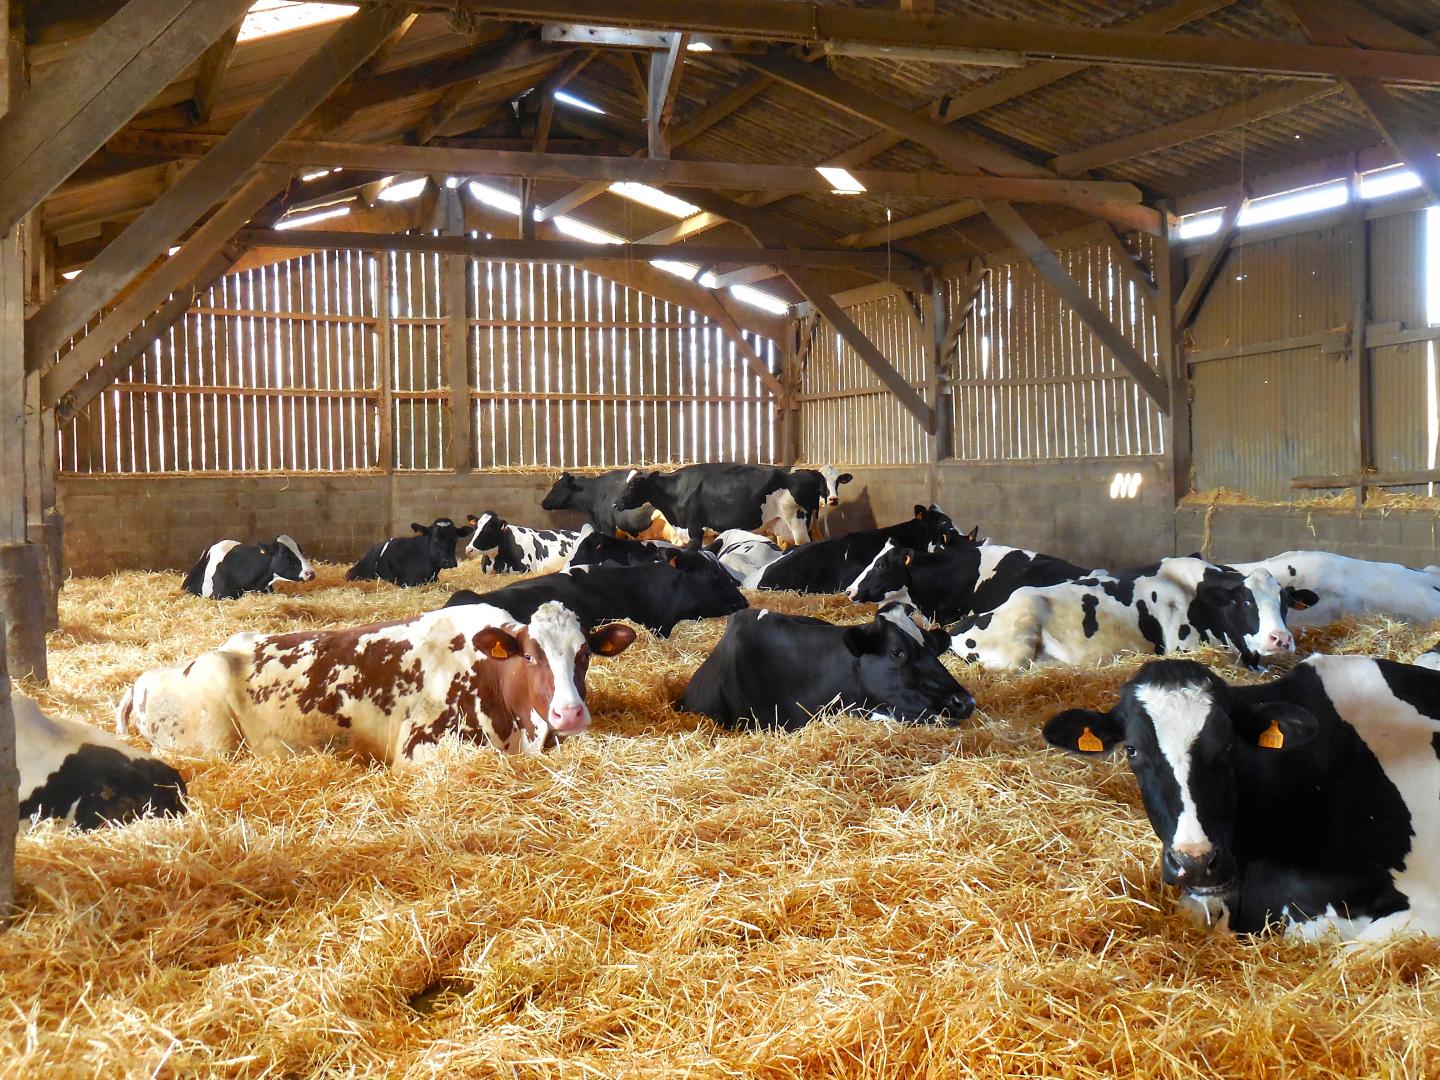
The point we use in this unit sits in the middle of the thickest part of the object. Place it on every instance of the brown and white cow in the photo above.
(388, 692)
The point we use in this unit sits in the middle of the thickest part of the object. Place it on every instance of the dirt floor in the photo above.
(658, 897)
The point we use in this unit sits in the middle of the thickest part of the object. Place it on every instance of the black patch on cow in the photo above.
(982, 622)
(1184, 632)
(1417, 687)
(102, 784)
(970, 643)
(1149, 627)
(547, 535)
(1122, 590)
(1154, 597)
(1090, 624)
(1291, 571)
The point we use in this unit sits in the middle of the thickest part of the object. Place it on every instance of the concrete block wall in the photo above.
(1243, 533)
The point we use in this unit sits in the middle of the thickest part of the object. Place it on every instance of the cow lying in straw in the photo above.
(387, 693)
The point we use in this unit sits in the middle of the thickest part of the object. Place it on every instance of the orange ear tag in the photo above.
(499, 652)
(1272, 738)
(1089, 743)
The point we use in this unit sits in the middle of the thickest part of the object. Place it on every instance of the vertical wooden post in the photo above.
(385, 453)
(1169, 278)
(788, 417)
(456, 337)
(1363, 421)
(937, 329)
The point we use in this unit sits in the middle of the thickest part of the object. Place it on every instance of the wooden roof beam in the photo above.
(660, 93)
(54, 128)
(818, 23)
(229, 160)
(1187, 305)
(1017, 230)
(213, 66)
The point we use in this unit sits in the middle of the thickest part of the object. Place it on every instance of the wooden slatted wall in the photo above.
(285, 368)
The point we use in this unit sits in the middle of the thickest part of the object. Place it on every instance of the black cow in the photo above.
(728, 496)
(594, 496)
(832, 478)
(412, 560)
(656, 596)
(597, 549)
(828, 566)
(1313, 800)
(229, 569)
(774, 670)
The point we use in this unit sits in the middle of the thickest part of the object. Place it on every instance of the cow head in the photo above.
(1247, 611)
(562, 493)
(546, 679)
(887, 574)
(833, 478)
(707, 586)
(442, 536)
(903, 676)
(485, 540)
(287, 561)
(940, 530)
(1182, 732)
(636, 492)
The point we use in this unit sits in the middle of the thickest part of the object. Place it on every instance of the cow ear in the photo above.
(843, 478)
(497, 644)
(466, 531)
(1300, 599)
(860, 639)
(1276, 725)
(417, 528)
(973, 535)
(472, 519)
(674, 561)
(919, 512)
(611, 640)
(1084, 731)
(936, 642)
(909, 557)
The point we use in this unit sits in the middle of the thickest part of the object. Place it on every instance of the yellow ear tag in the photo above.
(499, 652)
(1089, 743)
(1272, 738)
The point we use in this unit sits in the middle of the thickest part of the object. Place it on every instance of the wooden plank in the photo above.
(1009, 221)
(660, 91)
(819, 23)
(175, 273)
(213, 66)
(14, 523)
(1187, 306)
(233, 155)
(105, 81)
(1130, 266)
(455, 340)
(695, 125)
(721, 313)
(1363, 420)
(384, 359)
(1169, 272)
(1371, 479)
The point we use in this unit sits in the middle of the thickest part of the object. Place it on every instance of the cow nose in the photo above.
(851, 591)
(834, 502)
(309, 575)
(1280, 640)
(1198, 868)
(960, 706)
(571, 717)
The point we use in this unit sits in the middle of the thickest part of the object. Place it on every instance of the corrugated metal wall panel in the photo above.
(1397, 269)
(1259, 420)
(1402, 380)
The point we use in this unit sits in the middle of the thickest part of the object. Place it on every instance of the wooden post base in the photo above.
(49, 536)
(9, 794)
(22, 602)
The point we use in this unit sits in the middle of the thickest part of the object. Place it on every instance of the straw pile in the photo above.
(656, 898)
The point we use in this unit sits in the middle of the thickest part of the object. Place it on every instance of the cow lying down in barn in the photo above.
(503, 548)
(773, 670)
(1175, 606)
(229, 569)
(1311, 802)
(1346, 586)
(84, 776)
(412, 560)
(386, 693)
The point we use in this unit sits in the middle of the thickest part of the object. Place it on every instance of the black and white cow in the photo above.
(657, 596)
(597, 549)
(832, 478)
(1175, 606)
(1312, 801)
(515, 549)
(959, 579)
(594, 496)
(229, 569)
(828, 566)
(84, 776)
(723, 496)
(1345, 586)
(773, 670)
(412, 560)
(744, 553)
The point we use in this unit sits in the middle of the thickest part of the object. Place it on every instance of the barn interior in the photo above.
(1110, 279)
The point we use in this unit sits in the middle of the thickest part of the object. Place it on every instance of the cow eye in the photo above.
(529, 658)
(1130, 750)
(898, 654)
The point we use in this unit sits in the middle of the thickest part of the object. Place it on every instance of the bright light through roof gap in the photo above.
(403, 192)
(763, 300)
(841, 182)
(698, 46)
(577, 103)
(310, 219)
(654, 198)
(494, 197)
(580, 231)
(270, 17)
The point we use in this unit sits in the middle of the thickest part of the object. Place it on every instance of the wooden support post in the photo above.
(1169, 272)
(9, 790)
(939, 371)
(385, 450)
(1187, 304)
(664, 84)
(1363, 421)
(455, 341)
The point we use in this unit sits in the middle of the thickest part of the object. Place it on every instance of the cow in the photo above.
(723, 496)
(1308, 803)
(778, 671)
(385, 693)
(412, 560)
(1430, 658)
(1175, 606)
(1345, 586)
(597, 549)
(744, 553)
(229, 569)
(828, 566)
(957, 580)
(515, 549)
(831, 478)
(594, 496)
(82, 776)
(657, 596)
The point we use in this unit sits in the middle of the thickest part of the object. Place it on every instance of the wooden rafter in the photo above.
(661, 89)
(213, 66)
(1187, 305)
(1008, 220)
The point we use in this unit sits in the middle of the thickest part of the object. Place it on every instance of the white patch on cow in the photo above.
(902, 615)
(1273, 636)
(381, 553)
(1347, 586)
(215, 556)
(1429, 660)
(762, 614)
(307, 572)
(555, 630)
(1178, 715)
(854, 586)
(781, 506)
(471, 551)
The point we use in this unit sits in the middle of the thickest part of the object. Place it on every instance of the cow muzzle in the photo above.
(308, 575)
(960, 707)
(1278, 641)
(832, 502)
(569, 719)
(1203, 871)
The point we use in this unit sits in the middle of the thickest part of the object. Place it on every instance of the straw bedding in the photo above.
(657, 898)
